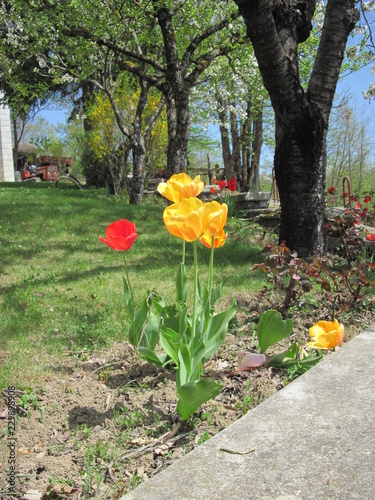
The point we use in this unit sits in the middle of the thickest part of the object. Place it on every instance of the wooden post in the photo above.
(209, 169)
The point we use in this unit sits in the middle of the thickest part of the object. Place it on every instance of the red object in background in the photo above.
(232, 184)
(222, 184)
(331, 190)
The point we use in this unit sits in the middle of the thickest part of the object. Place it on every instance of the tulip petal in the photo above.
(326, 335)
(120, 235)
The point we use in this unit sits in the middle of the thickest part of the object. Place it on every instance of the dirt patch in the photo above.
(110, 422)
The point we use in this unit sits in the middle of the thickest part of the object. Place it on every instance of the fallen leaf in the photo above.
(247, 361)
(38, 447)
(24, 451)
(32, 495)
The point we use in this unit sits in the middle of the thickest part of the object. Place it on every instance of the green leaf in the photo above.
(151, 357)
(170, 342)
(145, 329)
(281, 359)
(158, 303)
(217, 329)
(217, 291)
(181, 284)
(194, 394)
(272, 328)
(175, 317)
(128, 298)
(184, 366)
(151, 335)
(201, 291)
(290, 357)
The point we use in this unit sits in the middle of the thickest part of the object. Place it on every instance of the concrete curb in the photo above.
(314, 439)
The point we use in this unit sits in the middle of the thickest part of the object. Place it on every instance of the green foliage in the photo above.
(95, 171)
(188, 340)
(30, 401)
(271, 329)
(188, 346)
(193, 395)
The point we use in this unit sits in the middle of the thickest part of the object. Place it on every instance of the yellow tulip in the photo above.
(326, 335)
(216, 219)
(180, 186)
(219, 239)
(186, 220)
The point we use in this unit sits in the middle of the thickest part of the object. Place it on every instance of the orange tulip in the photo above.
(219, 239)
(188, 219)
(326, 335)
(180, 186)
(217, 218)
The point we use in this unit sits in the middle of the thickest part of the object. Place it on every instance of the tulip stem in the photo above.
(211, 270)
(195, 289)
(183, 252)
(131, 293)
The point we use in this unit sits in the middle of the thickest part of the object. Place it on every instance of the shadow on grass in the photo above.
(167, 254)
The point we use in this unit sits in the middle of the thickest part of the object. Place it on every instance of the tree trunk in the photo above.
(236, 156)
(300, 165)
(16, 142)
(256, 150)
(138, 147)
(275, 29)
(246, 147)
(224, 137)
(178, 118)
(138, 180)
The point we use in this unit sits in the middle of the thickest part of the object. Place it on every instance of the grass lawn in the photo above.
(61, 288)
(100, 420)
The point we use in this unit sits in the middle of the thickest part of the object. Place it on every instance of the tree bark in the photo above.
(275, 28)
(178, 120)
(224, 138)
(256, 150)
(246, 147)
(236, 149)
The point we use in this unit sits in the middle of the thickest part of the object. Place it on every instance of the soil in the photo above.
(110, 420)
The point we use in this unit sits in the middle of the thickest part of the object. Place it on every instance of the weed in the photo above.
(104, 375)
(129, 419)
(204, 437)
(29, 401)
(247, 398)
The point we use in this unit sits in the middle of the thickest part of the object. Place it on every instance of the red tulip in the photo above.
(222, 184)
(120, 235)
(232, 184)
(331, 190)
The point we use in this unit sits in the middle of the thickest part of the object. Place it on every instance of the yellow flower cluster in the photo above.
(188, 217)
(326, 334)
(181, 186)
